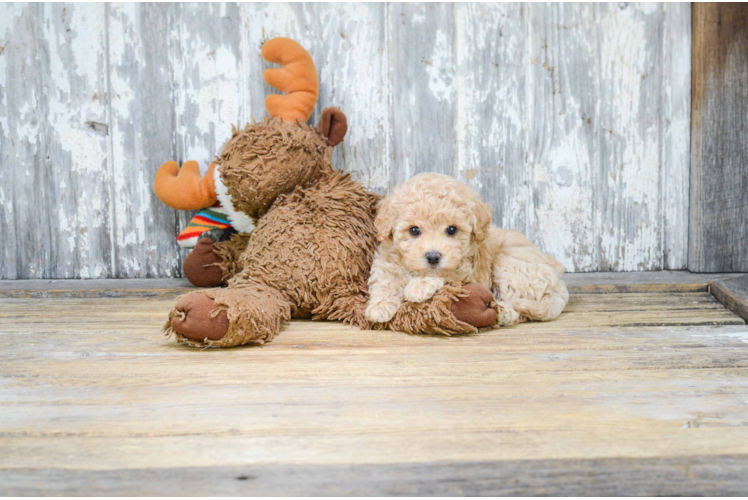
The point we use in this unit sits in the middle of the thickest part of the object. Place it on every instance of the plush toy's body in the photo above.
(311, 250)
(309, 256)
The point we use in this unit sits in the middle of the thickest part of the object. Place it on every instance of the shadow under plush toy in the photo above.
(312, 246)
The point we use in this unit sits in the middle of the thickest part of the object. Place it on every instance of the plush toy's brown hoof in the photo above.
(475, 309)
(196, 319)
(198, 266)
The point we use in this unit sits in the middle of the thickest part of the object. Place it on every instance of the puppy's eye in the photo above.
(451, 230)
(414, 231)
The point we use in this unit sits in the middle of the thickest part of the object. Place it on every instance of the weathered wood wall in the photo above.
(719, 142)
(572, 119)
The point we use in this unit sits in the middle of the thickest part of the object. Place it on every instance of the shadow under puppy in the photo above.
(434, 230)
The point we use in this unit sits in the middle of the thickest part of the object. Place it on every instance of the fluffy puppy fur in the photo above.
(434, 230)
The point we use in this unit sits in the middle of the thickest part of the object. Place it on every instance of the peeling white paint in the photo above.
(630, 138)
(440, 68)
(76, 103)
(676, 133)
(573, 120)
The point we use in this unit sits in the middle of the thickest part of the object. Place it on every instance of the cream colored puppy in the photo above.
(434, 230)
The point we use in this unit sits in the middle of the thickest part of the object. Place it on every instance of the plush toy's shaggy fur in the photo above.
(434, 230)
(311, 250)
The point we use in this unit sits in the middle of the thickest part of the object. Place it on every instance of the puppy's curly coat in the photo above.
(434, 230)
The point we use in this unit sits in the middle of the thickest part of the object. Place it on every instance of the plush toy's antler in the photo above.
(184, 189)
(297, 79)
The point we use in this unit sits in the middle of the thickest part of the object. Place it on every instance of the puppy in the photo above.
(434, 230)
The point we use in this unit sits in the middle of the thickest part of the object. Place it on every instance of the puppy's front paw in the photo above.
(382, 312)
(508, 316)
(422, 289)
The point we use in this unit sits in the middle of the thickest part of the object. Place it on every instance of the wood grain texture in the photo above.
(718, 238)
(624, 310)
(642, 282)
(689, 476)
(675, 123)
(602, 400)
(491, 115)
(733, 293)
(423, 82)
(143, 136)
(629, 191)
(571, 120)
(562, 126)
(53, 142)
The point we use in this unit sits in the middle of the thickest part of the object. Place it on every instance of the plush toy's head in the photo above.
(268, 158)
(272, 157)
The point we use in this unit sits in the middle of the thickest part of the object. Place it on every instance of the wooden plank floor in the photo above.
(626, 393)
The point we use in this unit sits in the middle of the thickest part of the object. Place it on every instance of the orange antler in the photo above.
(184, 189)
(297, 79)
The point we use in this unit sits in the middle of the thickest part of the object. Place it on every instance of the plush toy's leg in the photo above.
(197, 317)
(224, 317)
(452, 310)
(201, 265)
(346, 304)
(229, 251)
(212, 264)
(479, 308)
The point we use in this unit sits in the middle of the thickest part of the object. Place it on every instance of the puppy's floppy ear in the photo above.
(385, 221)
(482, 213)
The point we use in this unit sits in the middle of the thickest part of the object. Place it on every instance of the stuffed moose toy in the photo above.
(311, 249)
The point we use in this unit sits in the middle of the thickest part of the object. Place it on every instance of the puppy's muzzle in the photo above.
(433, 258)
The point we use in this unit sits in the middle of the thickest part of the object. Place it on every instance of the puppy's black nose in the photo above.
(433, 258)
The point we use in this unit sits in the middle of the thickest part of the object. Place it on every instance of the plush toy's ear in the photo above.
(333, 125)
(483, 218)
(385, 220)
